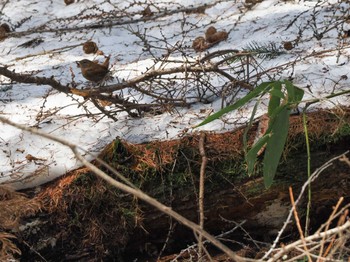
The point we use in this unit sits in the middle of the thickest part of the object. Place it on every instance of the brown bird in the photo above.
(93, 71)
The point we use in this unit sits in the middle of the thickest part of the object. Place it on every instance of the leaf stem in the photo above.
(308, 171)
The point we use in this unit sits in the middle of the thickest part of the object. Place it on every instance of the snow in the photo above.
(60, 115)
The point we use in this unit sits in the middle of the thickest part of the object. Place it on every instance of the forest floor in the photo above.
(83, 164)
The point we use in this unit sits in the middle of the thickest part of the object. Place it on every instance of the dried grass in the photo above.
(8, 249)
(13, 207)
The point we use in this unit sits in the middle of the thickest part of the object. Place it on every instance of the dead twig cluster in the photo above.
(163, 84)
(313, 245)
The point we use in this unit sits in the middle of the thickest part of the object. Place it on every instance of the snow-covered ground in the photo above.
(318, 63)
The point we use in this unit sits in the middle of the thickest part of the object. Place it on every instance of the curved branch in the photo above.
(195, 68)
(37, 80)
(98, 93)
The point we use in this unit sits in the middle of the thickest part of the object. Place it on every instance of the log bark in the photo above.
(262, 211)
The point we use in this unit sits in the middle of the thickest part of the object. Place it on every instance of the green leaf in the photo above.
(275, 97)
(277, 93)
(253, 152)
(299, 94)
(295, 94)
(275, 145)
(251, 120)
(262, 88)
(273, 115)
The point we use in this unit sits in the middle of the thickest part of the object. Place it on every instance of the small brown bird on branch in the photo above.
(93, 71)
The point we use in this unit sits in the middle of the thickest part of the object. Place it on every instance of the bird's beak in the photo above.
(78, 63)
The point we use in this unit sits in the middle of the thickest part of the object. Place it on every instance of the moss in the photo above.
(341, 132)
(255, 189)
(84, 179)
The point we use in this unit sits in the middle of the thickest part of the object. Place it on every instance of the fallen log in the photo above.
(82, 217)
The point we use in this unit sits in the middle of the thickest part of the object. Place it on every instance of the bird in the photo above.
(93, 71)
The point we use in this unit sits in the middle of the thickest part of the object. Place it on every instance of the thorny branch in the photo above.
(112, 21)
(168, 95)
(29, 79)
(192, 68)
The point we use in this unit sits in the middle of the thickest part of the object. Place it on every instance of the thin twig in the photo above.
(201, 191)
(206, 241)
(313, 237)
(313, 176)
(328, 223)
(309, 192)
(297, 221)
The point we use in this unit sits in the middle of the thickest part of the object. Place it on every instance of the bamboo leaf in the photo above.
(274, 113)
(275, 97)
(277, 93)
(295, 94)
(275, 145)
(262, 88)
(253, 152)
(245, 139)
